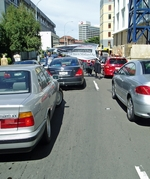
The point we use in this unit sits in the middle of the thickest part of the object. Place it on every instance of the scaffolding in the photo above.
(139, 21)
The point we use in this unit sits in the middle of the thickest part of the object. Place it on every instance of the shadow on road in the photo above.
(41, 150)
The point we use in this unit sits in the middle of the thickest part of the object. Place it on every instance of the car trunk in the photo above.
(9, 110)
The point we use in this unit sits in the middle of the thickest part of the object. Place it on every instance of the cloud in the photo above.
(61, 12)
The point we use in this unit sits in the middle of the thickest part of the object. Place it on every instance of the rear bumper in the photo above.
(21, 142)
(71, 81)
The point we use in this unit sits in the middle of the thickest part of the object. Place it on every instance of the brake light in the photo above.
(25, 119)
(106, 66)
(145, 90)
(49, 72)
(79, 72)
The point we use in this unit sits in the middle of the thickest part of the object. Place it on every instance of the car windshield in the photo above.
(64, 62)
(117, 61)
(14, 82)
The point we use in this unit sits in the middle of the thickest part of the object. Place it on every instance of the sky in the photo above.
(66, 14)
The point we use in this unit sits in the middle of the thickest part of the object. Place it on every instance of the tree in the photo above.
(20, 30)
(93, 40)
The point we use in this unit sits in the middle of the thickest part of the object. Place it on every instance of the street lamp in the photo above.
(36, 9)
(64, 30)
(67, 37)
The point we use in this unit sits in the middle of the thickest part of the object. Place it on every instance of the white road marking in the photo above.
(142, 174)
(96, 86)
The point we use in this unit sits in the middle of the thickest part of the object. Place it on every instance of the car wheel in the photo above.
(113, 91)
(59, 98)
(47, 132)
(130, 110)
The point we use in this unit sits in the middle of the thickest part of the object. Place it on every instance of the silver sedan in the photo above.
(131, 85)
(28, 97)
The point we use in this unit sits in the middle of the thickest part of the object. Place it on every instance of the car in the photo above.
(27, 62)
(103, 61)
(131, 85)
(112, 64)
(28, 98)
(68, 71)
(85, 53)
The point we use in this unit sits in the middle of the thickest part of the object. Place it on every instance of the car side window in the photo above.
(129, 69)
(41, 78)
(48, 77)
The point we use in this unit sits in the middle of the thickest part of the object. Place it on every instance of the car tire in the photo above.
(59, 98)
(130, 110)
(83, 84)
(113, 91)
(47, 131)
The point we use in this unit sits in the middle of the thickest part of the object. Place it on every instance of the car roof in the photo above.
(28, 67)
(61, 58)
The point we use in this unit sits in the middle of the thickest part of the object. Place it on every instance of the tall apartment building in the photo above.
(106, 23)
(87, 31)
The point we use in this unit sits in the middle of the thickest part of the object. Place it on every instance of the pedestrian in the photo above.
(49, 58)
(100, 54)
(97, 68)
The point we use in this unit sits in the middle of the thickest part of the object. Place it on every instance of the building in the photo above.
(106, 23)
(127, 25)
(46, 24)
(87, 31)
(121, 12)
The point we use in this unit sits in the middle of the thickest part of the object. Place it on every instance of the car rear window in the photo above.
(117, 61)
(64, 62)
(14, 82)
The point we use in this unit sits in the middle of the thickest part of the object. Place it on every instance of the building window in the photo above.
(109, 34)
(109, 7)
(109, 25)
(109, 16)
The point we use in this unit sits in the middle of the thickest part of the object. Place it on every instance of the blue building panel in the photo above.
(139, 21)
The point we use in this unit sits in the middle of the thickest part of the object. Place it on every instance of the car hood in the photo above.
(13, 100)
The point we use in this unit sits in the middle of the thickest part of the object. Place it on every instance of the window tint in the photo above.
(117, 61)
(14, 82)
(129, 69)
(146, 67)
(64, 62)
(41, 78)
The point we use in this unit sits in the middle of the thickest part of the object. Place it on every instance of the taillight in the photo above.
(25, 119)
(145, 90)
(79, 72)
(49, 72)
(106, 66)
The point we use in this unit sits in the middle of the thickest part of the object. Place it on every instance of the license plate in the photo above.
(63, 73)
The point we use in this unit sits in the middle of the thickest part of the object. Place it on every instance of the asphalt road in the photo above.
(91, 139)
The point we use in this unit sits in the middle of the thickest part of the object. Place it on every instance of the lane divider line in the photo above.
(96, 86)
(142, 174)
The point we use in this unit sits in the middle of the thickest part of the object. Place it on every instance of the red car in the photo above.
(112, 64)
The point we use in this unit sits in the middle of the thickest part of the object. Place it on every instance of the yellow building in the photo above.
(106, 23)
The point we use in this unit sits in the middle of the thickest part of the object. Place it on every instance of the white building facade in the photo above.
(121, 13)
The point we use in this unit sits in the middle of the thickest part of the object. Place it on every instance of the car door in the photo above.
(127, 80)
(52, 88)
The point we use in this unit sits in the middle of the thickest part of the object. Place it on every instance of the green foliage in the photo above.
(9, 60)
(95, 40)
(20, 30)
